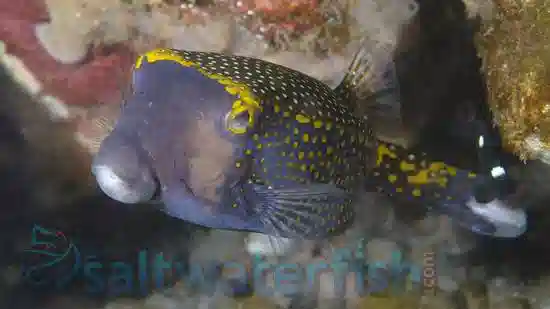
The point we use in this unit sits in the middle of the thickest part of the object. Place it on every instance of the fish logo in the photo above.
(52, 259)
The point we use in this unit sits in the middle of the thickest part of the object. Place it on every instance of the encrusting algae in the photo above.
(515, 46)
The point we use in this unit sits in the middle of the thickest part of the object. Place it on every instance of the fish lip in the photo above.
(508, 222)
(120, 190)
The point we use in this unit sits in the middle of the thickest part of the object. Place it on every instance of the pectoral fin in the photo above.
(309, 211)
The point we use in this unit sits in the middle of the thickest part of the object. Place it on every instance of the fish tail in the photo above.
(371, 81)
(445, 190)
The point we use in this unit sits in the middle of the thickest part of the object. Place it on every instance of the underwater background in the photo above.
(64, 66)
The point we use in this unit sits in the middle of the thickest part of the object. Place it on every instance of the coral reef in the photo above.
(514, 44)
(95, 80)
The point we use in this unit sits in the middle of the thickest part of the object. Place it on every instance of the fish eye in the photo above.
(237, 123)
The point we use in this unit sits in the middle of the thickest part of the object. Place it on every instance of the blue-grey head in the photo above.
(202, 133)
(174, 141)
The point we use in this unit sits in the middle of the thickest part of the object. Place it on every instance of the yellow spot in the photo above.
(416, 192)
(382, 152)
(392, 178)
(256, 137)
(451, 170)
(311, 155)
(283, 153)
(286, 114)
(302, 119)
(287, 140)
(324, 139)
(472, 175)
(329, 125)
(318, 124)
(295, 145)
(399, 190)
(425, 176)
(276, 108)
(301, 155)
(235, 205)
(259, 146)
(330, 150)
(238, 164)
(407, 167)
(305, 137)
(248, 152)
(296, 131)
(303, 167)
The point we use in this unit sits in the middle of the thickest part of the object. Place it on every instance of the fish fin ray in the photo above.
(373, 81)
(463, 216)
(303, 211)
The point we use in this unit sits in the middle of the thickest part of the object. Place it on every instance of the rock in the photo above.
(368, 302)
(61, 45)
(501, 290)
(436, 301)
(255, 302)
(278, 248)
(214, 36)
(383, 19)
(265, 245)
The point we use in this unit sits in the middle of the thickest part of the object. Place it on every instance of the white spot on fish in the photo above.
(498, 171)
(481, 141)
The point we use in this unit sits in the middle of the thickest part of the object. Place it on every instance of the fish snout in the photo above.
(122, 175)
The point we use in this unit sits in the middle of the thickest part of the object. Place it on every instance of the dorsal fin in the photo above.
(371, 82)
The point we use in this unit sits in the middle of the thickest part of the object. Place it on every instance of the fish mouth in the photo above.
(123, 176)
(507, 222)
(116, 187)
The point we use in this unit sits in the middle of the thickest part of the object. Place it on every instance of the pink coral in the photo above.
(97, 79)
(267, 17)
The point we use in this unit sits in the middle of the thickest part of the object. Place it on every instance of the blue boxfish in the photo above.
(234, 142)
